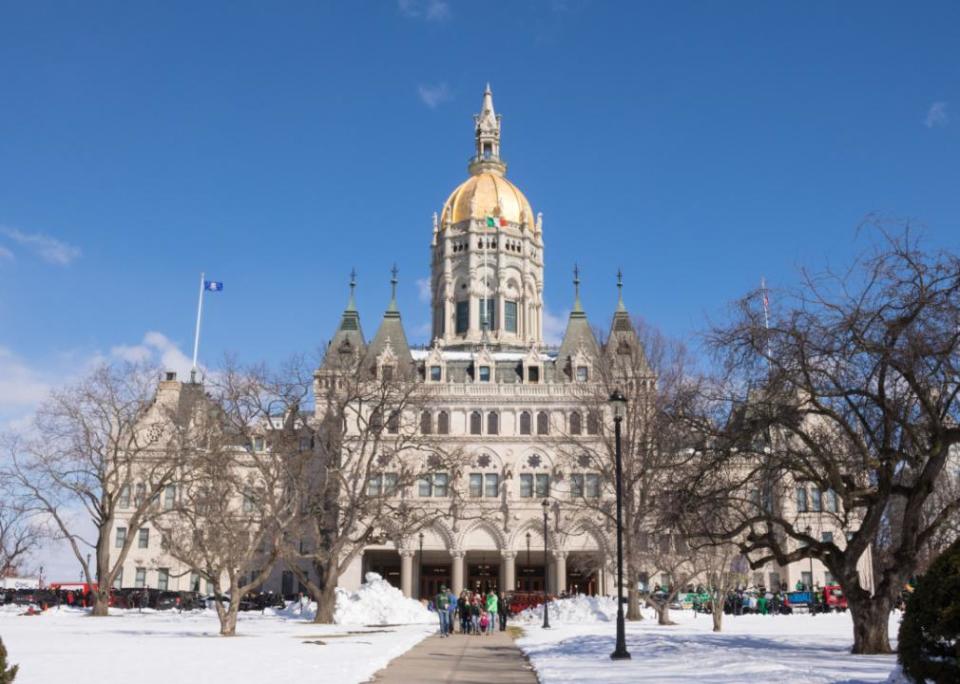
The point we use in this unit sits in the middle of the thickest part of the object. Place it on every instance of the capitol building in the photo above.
(518, 411)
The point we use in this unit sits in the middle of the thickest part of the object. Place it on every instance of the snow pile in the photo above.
(377, 602)
(575, 610)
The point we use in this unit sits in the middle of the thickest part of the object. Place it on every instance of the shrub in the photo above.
(7, 675)
(929, 645)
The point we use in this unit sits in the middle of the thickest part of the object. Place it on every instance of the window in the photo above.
(828, 579)
(488, 314)
(393, 423)
(593, 423)
(826, 537)
(807, 579)
(493, 423)
(118, 579)
(163, 579)
(543, 423)
(386, 373)
(576, 426)
(476, 484)
(436, 373)
(475, 422)
(258, 444)
(124, 500)
(583, 373)
(376, 420)
(121, 537)
(249, 503)
(210, 587)
(831, 497)
(426, 423)
(542, 481)
(140, 581)
(443, 423)
(390, 484)
(801, 499)
(139, 493)
(440, 484)
(463, 317)
(526, 485)
(491, 485)
(195, 582)
(510, 316)
(533, 374)
(484, 374)
(169, 494)
(525, 423)
(576, 485)
(592, 490)
(816, 504)
(373, 485)
(143, 541)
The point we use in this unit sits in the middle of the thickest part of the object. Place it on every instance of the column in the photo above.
(406, 572)
(457, 570)
(509, 570)
(560, 570)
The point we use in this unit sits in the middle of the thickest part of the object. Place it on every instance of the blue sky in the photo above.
(276, 145)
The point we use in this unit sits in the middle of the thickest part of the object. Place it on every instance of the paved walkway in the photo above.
(460, 659)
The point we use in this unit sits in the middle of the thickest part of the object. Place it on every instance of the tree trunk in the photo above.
(663, 614)
(101, 602)
(871, 618)
(326, 599)
(228, 615)
(633, 603)
(716, 612)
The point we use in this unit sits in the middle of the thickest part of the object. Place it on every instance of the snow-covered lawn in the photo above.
(760, 648)
(165, 647)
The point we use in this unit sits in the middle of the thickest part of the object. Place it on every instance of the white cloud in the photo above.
(937, 115)
(21, 387)
(5, 253)
(423, 289)
(155, 347)
(434, 95)
(47, 248)
(430, 10)
(553, 326)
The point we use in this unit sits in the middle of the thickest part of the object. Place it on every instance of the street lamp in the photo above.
(420, 566)
(546, 597)
(809, 531)
(618, 403)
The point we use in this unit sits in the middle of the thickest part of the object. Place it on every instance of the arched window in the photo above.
(543, 423)
(376, 420)
(475, 422)
(443, 423)
(525, 423)
(393, 422)
(426, 423)
(576, 423)
(493, 423)
(593, 423)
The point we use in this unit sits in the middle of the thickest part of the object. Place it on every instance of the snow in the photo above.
(157, 647)
(575, 610)
(799, 649)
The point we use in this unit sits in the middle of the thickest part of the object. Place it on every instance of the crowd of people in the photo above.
(475, 612)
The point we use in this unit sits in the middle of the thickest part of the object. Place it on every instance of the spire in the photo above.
(577, 306)
(351, 304)
(392, 307)
(620, 306)
(487, 139)
(349, 336)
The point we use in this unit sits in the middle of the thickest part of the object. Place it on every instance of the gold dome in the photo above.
(487, 194)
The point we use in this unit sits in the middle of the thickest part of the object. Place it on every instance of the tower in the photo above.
(487, 265)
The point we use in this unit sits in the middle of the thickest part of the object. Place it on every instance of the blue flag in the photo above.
(212, 286)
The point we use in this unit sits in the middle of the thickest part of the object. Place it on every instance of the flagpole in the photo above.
(766, 314)
(196, 334)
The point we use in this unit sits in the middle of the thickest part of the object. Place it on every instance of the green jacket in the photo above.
(492, 603)
(441, 601)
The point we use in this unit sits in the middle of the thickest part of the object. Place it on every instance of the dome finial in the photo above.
(351, 304)
(487, 139)
(393, 288)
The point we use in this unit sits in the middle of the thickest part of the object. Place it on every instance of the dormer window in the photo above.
(583, 373)
(533, 374)
(484, 374)
(386, 373)
(436, 373)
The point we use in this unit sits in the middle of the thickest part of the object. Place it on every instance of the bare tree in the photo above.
(852, 391)
(20, 533)
(238, 500)
(101, 451)
(649, 370)
(370, 449)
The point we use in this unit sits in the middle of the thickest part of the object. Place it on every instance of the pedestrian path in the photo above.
(460, 659)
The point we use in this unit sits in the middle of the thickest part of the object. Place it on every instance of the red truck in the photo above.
(833, 597)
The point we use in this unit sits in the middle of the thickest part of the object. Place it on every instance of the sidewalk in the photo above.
(460, 659)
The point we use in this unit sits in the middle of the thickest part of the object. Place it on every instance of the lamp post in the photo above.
(546, 596)
(809, 531)
(619, 404)
(420, 567)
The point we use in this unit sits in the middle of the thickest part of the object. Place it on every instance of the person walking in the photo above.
(440, 602)
(491, 611)
(451, 611)
(475, 614)
(502, 611)
(463, 608)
